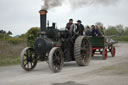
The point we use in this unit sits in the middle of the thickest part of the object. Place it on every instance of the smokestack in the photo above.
(43, 17)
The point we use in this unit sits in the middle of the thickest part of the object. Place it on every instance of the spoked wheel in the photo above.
(105, 54)
(113, 51)
(28, 59)
(82, 51)
(56, 59)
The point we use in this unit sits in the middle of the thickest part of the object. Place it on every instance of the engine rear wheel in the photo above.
(56, 59)
(82, 51)
(28, 59)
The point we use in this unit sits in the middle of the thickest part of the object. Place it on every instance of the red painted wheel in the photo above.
(105, 54)
(113, 51)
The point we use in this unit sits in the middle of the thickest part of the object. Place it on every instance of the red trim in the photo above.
(114, 51)
(97, 48)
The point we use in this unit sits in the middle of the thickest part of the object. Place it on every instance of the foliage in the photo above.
(111, 30)
(32, 34)
(121, 38)
(15, 40)
(99, 24)
(4, 36)
(9, 33)
(2, 31)
(126, 31)
(120, 31)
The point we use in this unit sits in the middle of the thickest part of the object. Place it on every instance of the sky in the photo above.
(19, 16)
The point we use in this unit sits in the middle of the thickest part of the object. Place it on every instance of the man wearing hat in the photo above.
(80, 27)
(69, 24)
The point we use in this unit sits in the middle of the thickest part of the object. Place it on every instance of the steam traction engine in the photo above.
(56, 46)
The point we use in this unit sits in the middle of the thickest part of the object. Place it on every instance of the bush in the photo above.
(15, 40)
(4, 36)
(32, 34)
(122, 38)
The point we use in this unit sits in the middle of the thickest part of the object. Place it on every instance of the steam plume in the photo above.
(48, 4)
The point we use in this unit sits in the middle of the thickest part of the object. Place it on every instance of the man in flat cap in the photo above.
(80, 27)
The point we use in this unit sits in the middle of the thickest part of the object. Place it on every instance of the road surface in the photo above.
(113, 71)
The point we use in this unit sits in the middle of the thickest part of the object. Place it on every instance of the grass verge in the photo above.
(9, 53)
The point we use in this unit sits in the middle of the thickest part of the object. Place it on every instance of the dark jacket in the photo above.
(80, 29)
(88, 32)
(95, 32)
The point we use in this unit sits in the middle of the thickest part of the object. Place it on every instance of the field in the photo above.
(10, 53)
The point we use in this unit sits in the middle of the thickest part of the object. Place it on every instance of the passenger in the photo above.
(95, 31)
(101, 30)
(80, 28)
(98, 28)
(88, 31)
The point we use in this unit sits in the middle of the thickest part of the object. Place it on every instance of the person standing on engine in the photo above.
(69, 24)
(80, 28)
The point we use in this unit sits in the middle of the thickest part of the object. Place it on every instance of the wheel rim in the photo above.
(28, 59)
(57, 60)
(84, 50)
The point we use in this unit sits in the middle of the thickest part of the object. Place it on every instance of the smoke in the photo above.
(48, 4)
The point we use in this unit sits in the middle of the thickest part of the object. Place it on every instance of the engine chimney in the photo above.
(43, 16)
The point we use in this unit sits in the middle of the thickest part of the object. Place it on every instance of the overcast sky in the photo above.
(20, 15)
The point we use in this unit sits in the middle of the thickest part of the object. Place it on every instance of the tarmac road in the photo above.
(113, 71)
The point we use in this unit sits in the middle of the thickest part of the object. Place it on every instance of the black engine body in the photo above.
(55, 38)
(51, 37)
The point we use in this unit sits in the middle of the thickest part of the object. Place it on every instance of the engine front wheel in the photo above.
(56, 59)
(28, 59)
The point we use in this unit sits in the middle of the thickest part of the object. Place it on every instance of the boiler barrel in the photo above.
(43, 45)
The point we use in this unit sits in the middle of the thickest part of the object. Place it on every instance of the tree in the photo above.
(2, 31)
(9, 33)
(32, 34)
(3, 35)
(120, 29)
(111, 30)
(99, 23)
(126, 31)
